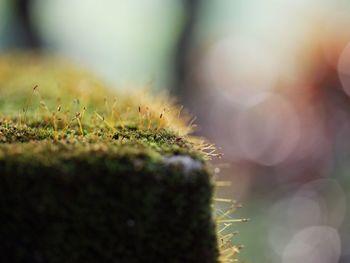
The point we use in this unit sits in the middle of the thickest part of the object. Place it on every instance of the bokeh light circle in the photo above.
(344, 69)
(242, 67)
(268, 130)
(315, 244)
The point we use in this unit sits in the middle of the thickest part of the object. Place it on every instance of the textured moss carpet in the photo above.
(90, 175)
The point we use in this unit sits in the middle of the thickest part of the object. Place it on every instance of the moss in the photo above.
(89, 175)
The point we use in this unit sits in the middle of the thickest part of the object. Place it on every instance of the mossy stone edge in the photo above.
(97, 194)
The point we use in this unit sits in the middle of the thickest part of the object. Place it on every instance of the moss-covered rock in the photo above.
(89, 175)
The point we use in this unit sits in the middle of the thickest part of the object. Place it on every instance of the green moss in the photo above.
(88, 175)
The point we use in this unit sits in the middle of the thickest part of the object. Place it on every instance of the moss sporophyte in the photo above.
(91, 175)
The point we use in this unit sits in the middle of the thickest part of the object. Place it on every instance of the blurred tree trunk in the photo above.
(26, 35)
(182, 63)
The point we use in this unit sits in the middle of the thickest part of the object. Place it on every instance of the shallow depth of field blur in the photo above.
(269, 81)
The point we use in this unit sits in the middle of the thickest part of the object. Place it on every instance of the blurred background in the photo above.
(268, 79)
